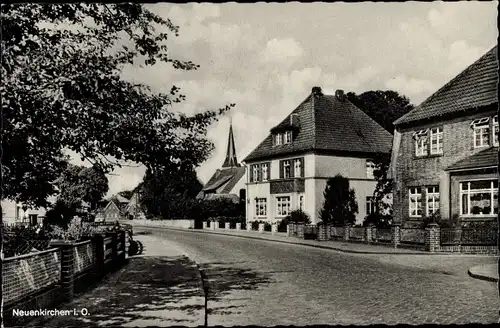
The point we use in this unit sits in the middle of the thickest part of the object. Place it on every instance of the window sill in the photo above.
(427, 156)
(482, 216)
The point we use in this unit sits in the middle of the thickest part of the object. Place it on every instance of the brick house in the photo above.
(324, 136)
(445, 151)
(114, 209)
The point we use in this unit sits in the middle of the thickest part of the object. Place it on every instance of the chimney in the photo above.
(316, 91)
(339, 94)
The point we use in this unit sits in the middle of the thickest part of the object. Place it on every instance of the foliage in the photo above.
(267, 226)
(381, 221)
(255, 225)
(283, 224)
(222, 207)
(436, 218)
(170, 192)
(75, 231)
(62, 89)
(382, 106)
(384, 186)
(61, 213)
(340, 206)
(126, 193)
(298, 216)
(79, 183)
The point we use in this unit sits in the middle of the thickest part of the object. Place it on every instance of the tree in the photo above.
(383, 106)
(168, 192)
(127, 193)
(79, 183)
(340, 206)
(384, 186)
(62, 89)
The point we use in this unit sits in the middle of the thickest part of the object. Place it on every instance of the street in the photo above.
(254, 282)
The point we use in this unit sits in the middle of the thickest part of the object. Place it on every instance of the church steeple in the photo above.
(231, 160)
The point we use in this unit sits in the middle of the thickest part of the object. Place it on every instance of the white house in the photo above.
(13, 212)
(324, 136)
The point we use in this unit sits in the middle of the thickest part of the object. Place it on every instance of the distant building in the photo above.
(14, 213)
(114, 210)
(445, 151)
(228, 181)
(324, 136)
(133, 210)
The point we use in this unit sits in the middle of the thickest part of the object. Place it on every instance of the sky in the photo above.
(266, 58)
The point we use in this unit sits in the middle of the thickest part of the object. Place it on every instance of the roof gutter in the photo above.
(472, 168)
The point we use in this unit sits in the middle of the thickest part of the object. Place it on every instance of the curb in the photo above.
(481, 277)
(298, 243)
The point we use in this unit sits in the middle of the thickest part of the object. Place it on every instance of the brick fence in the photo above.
(42, 280)
(431, 239)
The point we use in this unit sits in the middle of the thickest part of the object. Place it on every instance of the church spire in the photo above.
(231, 160)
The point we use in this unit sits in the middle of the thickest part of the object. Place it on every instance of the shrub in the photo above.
(243, 226)
(267, 226)
(381, 221)
(255, 225)
(340, 206)
(282, 225)
(298, 216)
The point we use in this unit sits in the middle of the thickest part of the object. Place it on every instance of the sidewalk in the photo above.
(359, 248)
(160, 288)
(488, 272)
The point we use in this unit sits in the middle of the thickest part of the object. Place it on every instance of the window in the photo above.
(297, 168)
(481, 132)
(255, 173)
(495, 131)
(261, 207)
(301, 202)
(432, 203)
(436, 141)
(370, 205)
(421, 142)
(288, 137)
(370, 167)
(415, 201)
(282, 206)
(265, 172)
(479, 198)
(286, 169)
(278, 139)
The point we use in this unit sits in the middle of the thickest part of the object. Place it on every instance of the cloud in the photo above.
(284, 51)
(412, 87)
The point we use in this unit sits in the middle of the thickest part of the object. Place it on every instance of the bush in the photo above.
(267, 226)
(255, 225)
(340, 206)
(381, 221)
(298, 216)
(282, 225)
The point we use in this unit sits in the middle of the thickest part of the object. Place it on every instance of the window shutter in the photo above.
(302, 167)
(259, 173)
(251, 173)
(292, 168)
(269, 171)
(282, 174)
(273, 137)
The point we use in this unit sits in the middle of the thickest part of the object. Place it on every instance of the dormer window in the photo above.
(481, 134)
(279, 139)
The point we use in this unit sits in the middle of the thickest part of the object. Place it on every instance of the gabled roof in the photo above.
(111, 203)
(228, 176)
(328, 123)
(483, 159)
(475, 87)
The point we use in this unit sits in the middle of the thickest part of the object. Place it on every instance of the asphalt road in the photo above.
(255, 282)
